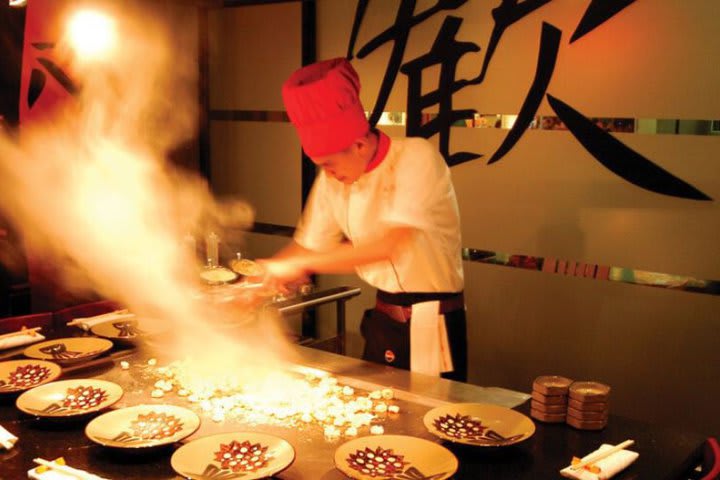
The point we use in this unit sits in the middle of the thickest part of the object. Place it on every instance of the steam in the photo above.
(91, 191)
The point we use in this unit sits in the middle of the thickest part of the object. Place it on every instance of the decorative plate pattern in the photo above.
(378, 462)
(227, 456)
(19, 375)
(479, 424)
(143, 426)
(69, 350)
(395, 457)
(69, 398)
(130, 330)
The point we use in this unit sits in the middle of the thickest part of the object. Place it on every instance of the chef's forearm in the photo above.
(292, 249)
(346, 257)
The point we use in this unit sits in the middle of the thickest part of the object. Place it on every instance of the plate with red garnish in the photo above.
(246, 455)
(69, 398)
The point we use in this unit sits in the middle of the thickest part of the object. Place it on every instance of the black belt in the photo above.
(398, 306)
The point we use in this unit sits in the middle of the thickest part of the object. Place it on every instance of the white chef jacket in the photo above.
(411, 187)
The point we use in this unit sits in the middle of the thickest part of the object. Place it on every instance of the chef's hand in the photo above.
(283, 275)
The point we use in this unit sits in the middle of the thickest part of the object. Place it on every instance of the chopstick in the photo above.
(65, 469)
(22, 331)
(76, 321)
(603, 454)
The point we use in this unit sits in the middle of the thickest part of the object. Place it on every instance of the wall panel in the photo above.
(252, 49)
(259, 162)
(549, 197)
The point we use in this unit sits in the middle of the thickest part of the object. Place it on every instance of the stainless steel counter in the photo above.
(415, 395)
(664, 451)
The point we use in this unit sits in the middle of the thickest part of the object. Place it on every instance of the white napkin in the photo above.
(86, 323)
(429, 346)
(21, 339)
(62, 473)
(7, 439)
(609, 465)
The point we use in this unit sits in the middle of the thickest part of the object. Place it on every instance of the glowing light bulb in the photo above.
(92, 34)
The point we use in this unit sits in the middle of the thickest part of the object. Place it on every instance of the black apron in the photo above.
(387, 331)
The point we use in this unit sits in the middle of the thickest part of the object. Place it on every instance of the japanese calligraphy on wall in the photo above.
(448, 49)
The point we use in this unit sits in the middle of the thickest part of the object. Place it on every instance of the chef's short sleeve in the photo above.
(423, 188)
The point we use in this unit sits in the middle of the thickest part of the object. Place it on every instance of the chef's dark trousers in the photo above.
(387, 340)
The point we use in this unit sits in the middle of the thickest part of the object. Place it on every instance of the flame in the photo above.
(296, 397)
(90, 189)
(92, 34)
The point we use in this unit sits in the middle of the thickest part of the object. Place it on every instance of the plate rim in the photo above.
(138, 407)
(440, 435)
(134, 338)
(52, 365)
(236, 432)
(70, 380)
(399, 437)
(55, 340)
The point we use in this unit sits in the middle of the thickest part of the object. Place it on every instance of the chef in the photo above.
(386, 209)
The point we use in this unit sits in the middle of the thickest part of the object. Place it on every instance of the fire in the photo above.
(287, 398)
(90, 188)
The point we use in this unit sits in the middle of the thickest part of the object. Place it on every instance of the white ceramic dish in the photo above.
(69, 350)
(142, 426)
(246, 455)
(479, 424)
(20, 375)
(69, 398)
(394, 457)
(130, 330)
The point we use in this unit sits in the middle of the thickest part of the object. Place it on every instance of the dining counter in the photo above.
(665, 452)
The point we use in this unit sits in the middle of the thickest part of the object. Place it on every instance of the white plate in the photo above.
(226, 456)
(19, 375)
(69, 350)
(69, 398)
(247, 268)
(218, 275)
(142, 426)
(479, 424)
(130, 330)
(394, 457)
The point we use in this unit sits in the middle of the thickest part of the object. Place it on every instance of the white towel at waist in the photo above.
(429, 346)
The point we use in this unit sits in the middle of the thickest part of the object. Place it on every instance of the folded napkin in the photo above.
(7, 439)
(20, 339)
(60, 471)
(86, 323)
(607, 466)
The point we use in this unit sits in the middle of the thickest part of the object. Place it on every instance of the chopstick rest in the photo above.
(603, 463)
(57, 470)
(7, 439)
